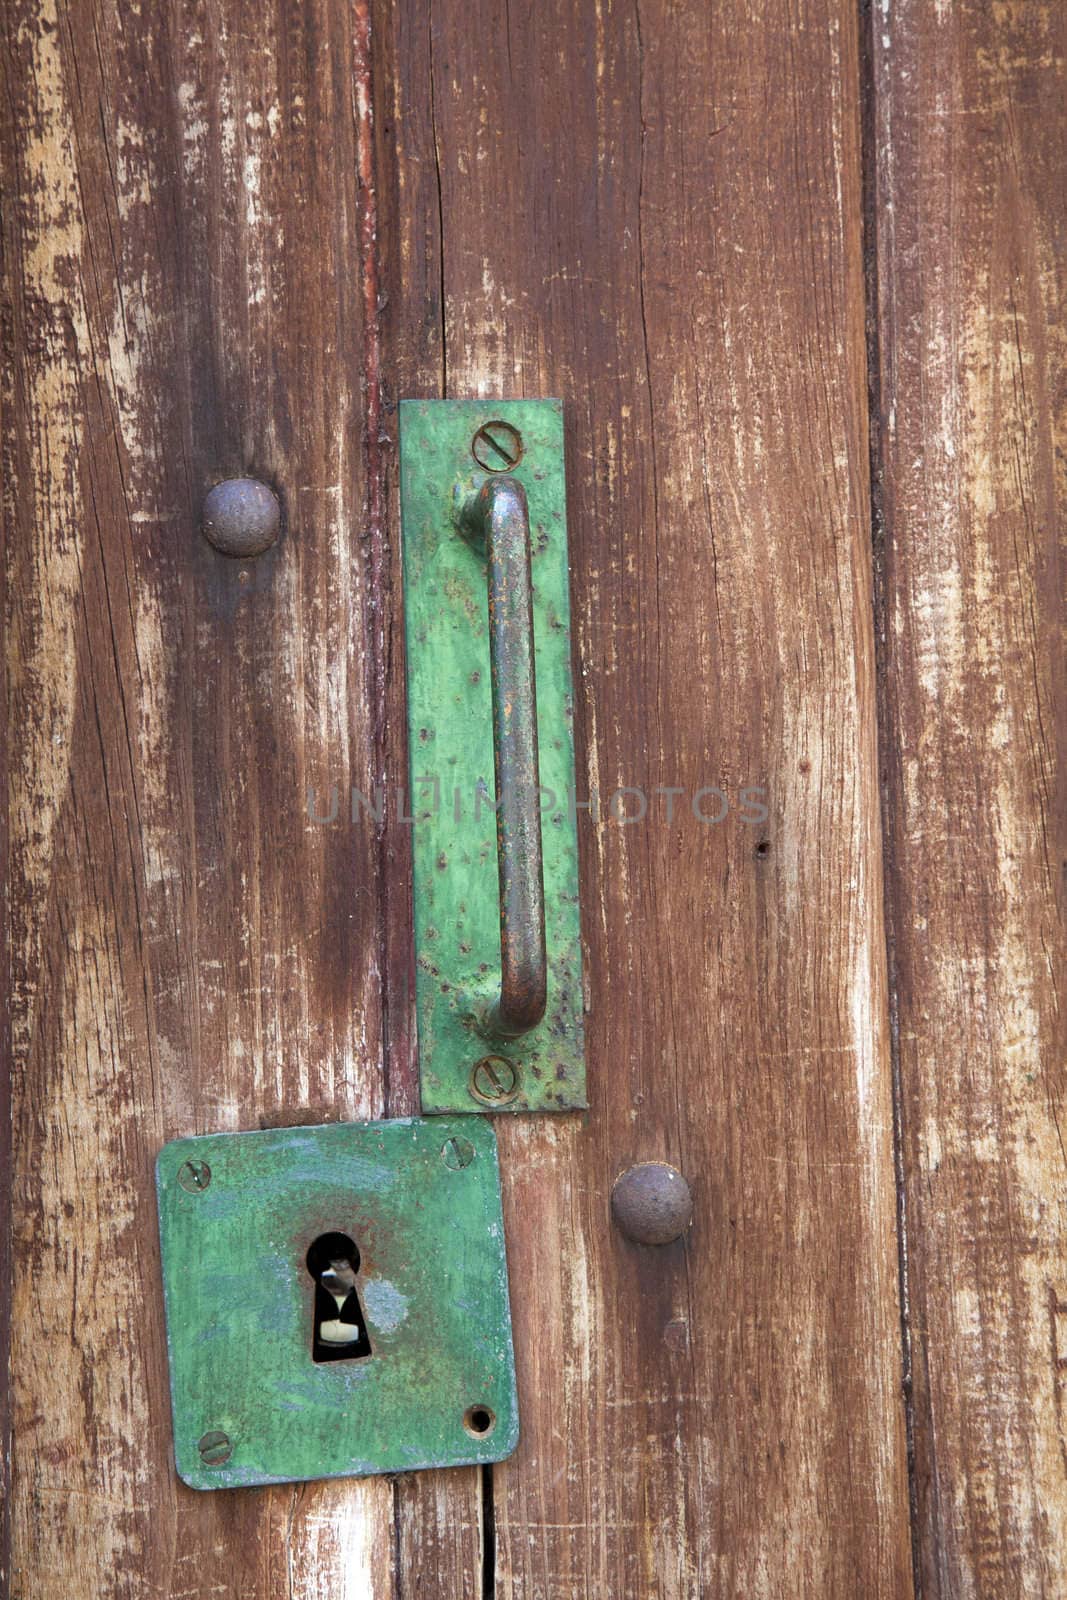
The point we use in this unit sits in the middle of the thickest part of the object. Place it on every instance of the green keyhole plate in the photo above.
(457, 909)
(238, 1212)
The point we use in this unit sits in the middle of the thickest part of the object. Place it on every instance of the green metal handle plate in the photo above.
(238, 1214)
(445, 446)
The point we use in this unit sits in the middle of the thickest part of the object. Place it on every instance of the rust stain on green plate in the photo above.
(452, 789)
(238, 1212)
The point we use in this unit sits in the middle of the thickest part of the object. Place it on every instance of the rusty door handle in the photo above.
(497, 518)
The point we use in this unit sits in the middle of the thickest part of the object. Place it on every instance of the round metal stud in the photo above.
(241, 517)
(651, 1203)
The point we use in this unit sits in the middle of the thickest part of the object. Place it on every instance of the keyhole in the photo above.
(340, 1332)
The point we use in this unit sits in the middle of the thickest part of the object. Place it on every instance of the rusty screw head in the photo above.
(215, 1448)
(457, 1152)
(494, 1080)
(194, 1176)
(241, 517)
(497, 446)
(651, 1203)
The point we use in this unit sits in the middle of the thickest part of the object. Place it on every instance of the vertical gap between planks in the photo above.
(880, 534)
(370, 542)
(488, 1536)
(371, 537)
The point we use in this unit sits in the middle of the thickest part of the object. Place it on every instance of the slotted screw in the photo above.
(497, 446)
(457, 1153)
(215, 1448)
(494, 1080)
(194, 1176)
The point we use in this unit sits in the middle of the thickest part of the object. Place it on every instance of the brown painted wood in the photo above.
(216, 259)
(5, 1060)
(440, 1516)
(185, 255)
(655, 213)
(971, 228)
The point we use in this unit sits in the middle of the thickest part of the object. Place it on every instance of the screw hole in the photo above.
(763, 848)
(479, 1421)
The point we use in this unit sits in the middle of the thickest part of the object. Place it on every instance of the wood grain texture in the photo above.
(185, 299)
(971, 229)
(655, 213)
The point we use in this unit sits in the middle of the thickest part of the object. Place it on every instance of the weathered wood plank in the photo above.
(441, 1516)
(185, 245)
(971, 232)
(655, 213)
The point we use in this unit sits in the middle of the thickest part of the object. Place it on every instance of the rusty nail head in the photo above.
(497, 446)
(194, 1176)
(215, 1448)
(494, 1080)
(241, 517)
(651, 1203)
(457, 1152)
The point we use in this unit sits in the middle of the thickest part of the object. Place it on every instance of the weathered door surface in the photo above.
(796, 272)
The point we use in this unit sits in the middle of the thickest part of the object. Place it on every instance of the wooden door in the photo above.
(794, 271)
